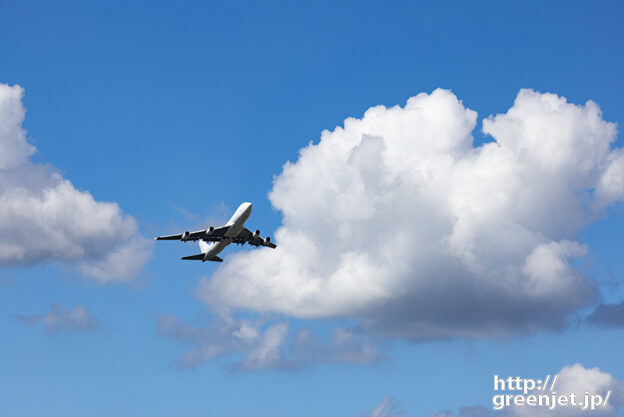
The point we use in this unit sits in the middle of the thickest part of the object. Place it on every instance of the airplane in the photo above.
(213, 240)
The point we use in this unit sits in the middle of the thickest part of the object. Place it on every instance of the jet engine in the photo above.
(257, 233)
(185, 236)
(267, 240)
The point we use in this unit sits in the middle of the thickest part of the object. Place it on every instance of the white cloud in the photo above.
(15, 149)
(389, 407)
(474, 411)
(579, 380)
(441, 414)
(44, 218)
(398, 220)
(62, 319)
(571, 379)
(264, 345)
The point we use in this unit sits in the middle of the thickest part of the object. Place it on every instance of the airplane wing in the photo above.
(254, 239)
(213, 235)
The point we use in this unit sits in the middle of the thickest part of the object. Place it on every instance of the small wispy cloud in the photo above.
(6, 282)
(265, 346)
(217, 216)
(389, 407)
(60, 318)
(608, 315)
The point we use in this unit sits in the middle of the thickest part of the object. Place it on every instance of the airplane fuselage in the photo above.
(236, 223)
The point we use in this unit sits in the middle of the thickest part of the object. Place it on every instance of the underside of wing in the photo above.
(169, 237)
(215, 235)
(209, 235)
(254, 239)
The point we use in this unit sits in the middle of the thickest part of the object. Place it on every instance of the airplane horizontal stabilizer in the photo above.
(200, 257)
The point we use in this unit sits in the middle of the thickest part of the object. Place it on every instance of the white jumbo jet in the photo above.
(213, 240)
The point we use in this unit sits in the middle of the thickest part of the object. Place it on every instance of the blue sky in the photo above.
(178, 112)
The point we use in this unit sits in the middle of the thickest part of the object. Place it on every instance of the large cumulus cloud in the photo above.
(44, 218)
(397, 219)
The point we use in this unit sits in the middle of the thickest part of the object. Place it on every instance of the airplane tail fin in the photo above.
(200, 257)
